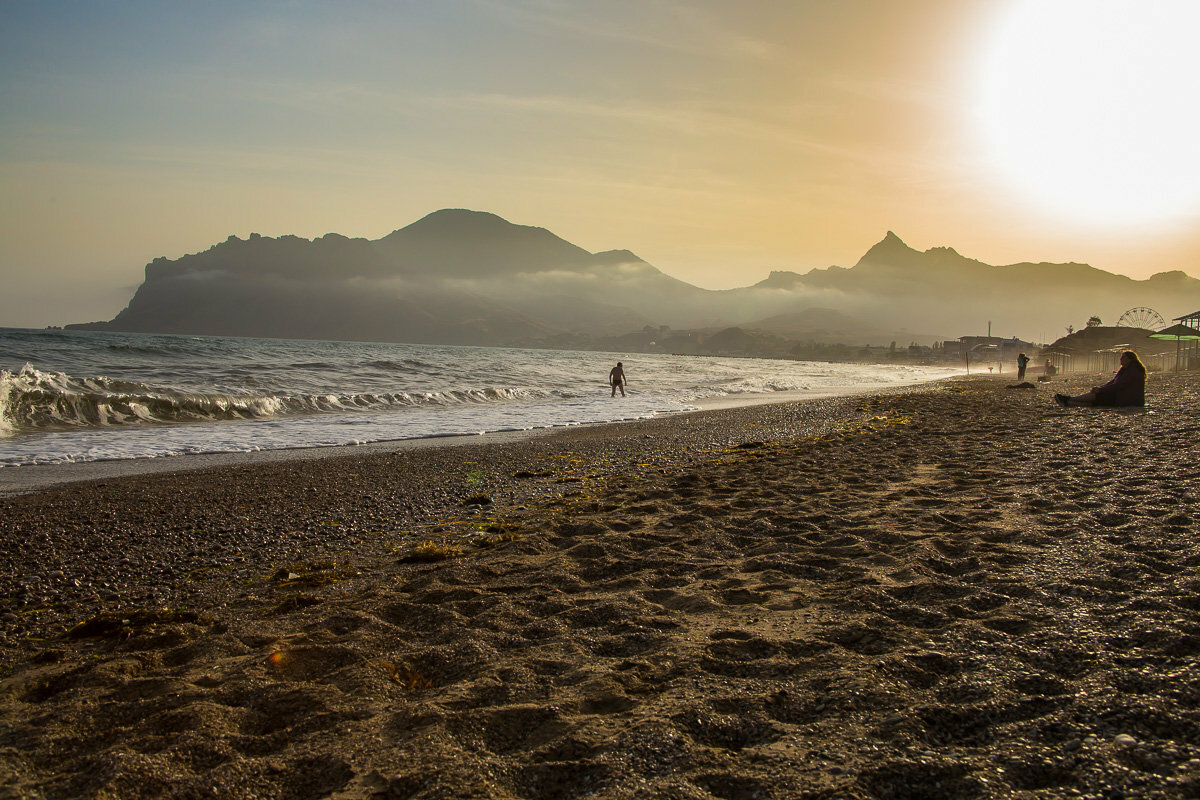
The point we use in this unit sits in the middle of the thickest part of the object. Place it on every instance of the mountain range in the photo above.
(470, 277)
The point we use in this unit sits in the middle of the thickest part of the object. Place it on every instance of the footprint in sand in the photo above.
(605, 702)
(729, 786)
(924, 779)
(727, 731)
(310, 663)
(562, 780)
(872, 639)
(508, 730)
(277, 716)
(313, 777)
(918, 617)
(688, 602)
(420, 617)
(627, 645)
(743, 596)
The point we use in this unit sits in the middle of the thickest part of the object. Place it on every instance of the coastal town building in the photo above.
(988, 350)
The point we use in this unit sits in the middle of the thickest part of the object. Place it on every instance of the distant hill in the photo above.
(894, 285)
(819, 325)
(468, 277)
(1087, 341)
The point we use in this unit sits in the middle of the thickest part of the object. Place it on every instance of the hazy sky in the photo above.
(717, 140)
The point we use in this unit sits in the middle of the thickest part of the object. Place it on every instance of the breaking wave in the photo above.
(152, 395)
(32, 400)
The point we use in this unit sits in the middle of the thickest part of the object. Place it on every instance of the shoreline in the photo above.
(38, 477)
(27, 479)
(952, 590)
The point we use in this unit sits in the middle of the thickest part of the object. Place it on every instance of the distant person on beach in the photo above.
(1050, 368)
(1022, 363)
(1127, 388)
(616, 378)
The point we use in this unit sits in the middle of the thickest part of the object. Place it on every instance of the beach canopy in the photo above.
(1177, 332)
(1180, 333)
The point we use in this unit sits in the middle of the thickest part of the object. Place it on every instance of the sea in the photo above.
(77, 396)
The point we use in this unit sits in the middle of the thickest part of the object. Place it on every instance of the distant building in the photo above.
(990, 348)
(1011, 348)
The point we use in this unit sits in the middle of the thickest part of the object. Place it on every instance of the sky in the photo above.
(718, 140)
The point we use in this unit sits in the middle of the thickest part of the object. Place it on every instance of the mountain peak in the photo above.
(457, 222)
(617, 257)
(461, 227)
(463, 243)
(890, 250)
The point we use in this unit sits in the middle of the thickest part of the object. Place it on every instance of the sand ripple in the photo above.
(957, 592)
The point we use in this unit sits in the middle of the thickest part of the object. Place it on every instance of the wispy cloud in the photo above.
(582, 21)
(662, 25)
(679, 119)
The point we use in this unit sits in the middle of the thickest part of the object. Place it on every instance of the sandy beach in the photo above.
(954, 591)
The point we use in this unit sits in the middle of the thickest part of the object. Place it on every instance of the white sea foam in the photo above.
(68, 396)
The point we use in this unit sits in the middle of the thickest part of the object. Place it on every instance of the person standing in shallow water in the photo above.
(616, 378)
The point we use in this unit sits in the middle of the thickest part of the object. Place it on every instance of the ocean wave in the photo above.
(313, 365)
(33, 400)
(145, 349)
(759, 386)
(402, 364)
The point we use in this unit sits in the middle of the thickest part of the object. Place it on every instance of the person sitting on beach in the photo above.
(616, 378)
(1127, 388)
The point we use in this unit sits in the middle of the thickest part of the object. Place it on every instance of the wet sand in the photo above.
(954, 591)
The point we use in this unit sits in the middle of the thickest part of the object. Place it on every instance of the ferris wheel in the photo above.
(1142, 317)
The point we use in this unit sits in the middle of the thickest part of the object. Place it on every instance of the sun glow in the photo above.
(1091, 108)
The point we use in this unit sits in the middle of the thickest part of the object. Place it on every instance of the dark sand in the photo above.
(957, 591)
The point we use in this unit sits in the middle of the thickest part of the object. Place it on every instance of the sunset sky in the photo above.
(717, 140)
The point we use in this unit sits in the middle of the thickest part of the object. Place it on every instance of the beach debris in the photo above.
(296, 602)
(874, 424)
(500, 536)
(1124, 740)
(524, 474)
(318, 572)
(429, 550)
(410, 679)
